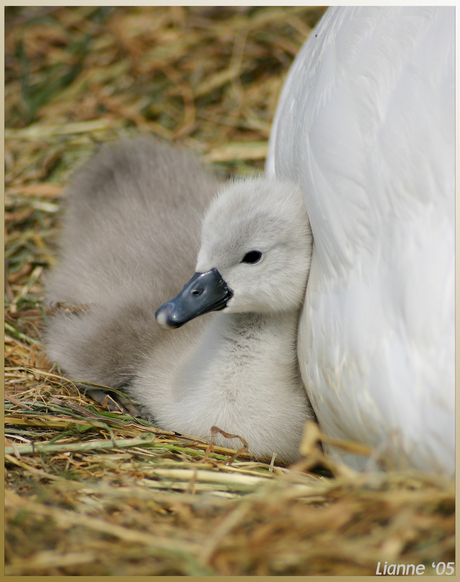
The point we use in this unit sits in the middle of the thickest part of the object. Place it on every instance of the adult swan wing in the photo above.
(365, 125)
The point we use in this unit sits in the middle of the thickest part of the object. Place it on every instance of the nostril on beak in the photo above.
(197, 292)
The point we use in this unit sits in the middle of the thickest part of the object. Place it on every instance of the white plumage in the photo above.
(365, 125)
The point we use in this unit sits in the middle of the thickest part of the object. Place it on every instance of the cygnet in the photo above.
(130, 240)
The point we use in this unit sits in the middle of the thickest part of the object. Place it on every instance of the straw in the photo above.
(91, 492)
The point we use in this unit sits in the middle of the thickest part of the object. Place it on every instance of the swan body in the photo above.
(130, 242)
(365, 126)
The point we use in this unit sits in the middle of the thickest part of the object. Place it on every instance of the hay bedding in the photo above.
(89, 492)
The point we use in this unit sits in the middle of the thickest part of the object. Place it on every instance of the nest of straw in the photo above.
(93, 492)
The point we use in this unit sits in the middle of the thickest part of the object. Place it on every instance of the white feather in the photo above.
(365, 125)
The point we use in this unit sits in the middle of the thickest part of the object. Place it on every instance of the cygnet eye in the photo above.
(252, 257)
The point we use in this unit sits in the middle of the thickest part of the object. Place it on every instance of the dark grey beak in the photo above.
(204, 292)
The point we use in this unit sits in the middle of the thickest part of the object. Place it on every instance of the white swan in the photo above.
(130, 238)
(365, 125)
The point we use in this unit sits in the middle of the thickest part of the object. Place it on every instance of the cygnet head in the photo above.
(255, 254)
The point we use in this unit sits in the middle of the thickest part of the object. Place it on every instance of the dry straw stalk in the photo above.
(90, 492)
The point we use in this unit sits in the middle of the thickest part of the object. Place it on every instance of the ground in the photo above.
(89, 492)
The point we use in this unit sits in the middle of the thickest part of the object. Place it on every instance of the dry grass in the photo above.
(90, 492)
